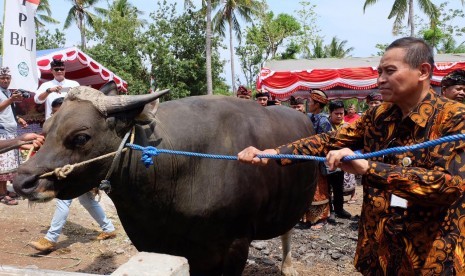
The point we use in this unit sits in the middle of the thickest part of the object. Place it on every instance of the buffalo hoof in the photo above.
(289, 271)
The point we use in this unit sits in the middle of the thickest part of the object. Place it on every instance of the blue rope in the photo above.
(148, 152)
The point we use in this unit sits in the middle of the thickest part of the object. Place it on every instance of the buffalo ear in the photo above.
(109, 89)
(148, 113)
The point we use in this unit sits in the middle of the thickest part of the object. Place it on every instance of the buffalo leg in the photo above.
(236, 257)
(287, 269)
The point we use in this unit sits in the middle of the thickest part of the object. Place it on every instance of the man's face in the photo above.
(5, 81)
(351, 110)
(312, 106)
(58, 73)
(262, 101)
(455, 92)
(337, 116)
(247, 97)
(299, 107)
(374, 103)
(397, 82)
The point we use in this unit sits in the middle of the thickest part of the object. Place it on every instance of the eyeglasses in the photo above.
(57, 69)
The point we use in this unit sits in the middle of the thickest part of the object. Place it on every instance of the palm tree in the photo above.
(337, 49)
(228, 12)
(318, 49)
(44, 15)
(401, 7)
(80, 14)
(124, 8)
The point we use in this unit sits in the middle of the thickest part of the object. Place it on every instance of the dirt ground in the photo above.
(79, 251)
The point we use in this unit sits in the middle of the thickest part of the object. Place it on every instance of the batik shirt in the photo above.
(320, 123)
(428, 236)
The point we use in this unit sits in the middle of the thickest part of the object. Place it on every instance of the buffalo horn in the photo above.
(115, 104)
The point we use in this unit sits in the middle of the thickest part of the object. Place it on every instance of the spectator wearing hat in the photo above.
(9, 161)
(49, 241)
(298, 104)
(58, 87)
(244, 93)
(374, 99)
(453, 85)
(262, 98)
(318, 213)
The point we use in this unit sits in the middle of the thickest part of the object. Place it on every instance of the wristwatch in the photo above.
(48, 90)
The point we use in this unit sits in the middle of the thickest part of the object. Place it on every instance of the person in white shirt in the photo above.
(56, 88)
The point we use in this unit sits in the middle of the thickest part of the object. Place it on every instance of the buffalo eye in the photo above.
(80, 140)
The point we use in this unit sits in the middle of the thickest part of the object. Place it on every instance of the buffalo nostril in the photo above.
(25, 184)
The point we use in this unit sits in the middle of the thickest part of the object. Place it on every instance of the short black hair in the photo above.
(57, 63)
(417, 51)
(333, 105)
(57, 102)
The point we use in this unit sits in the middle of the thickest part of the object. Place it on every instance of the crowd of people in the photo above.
(413, 211)
(412, 220)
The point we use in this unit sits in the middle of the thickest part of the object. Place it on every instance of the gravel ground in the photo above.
(327, 252)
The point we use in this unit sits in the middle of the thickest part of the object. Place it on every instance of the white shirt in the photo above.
(8, 123)
(52, 96)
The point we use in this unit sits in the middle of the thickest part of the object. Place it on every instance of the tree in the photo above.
(80, 13)
(307, 19)
(318, 49)
(401, 7)
(229, 11)
(337, 48)
(271, 32)
(119, 43)
(47, 40)
(44, 15)
(175, 47)
(250, 59)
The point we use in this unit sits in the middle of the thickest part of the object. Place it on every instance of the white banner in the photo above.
(19, 43)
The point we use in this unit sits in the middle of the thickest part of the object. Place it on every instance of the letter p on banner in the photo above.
(19, 43)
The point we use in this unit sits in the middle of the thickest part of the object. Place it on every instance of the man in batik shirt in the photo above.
(318, 213)
(413, 212)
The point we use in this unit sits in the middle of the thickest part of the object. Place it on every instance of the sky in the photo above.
(342, 18)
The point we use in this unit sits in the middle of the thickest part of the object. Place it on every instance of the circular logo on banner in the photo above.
(23, 69)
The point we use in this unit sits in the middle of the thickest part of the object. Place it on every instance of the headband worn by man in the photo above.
(453, 85)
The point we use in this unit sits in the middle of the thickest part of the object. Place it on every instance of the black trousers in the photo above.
(336, 188)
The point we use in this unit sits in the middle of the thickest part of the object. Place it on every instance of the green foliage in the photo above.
(401, 7)
(175, 47)
(309, 33)
(228, 12)
(118, 46)
(381, 48)
(47, 40)
(271, 32)
(291, 51)
(44, 15)
(337, 48)
(80, 13)
(443, 33)
(250, 59)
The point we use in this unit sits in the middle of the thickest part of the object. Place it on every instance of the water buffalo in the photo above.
(203, 209)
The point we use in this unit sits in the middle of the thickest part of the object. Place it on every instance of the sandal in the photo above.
(8, 200)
